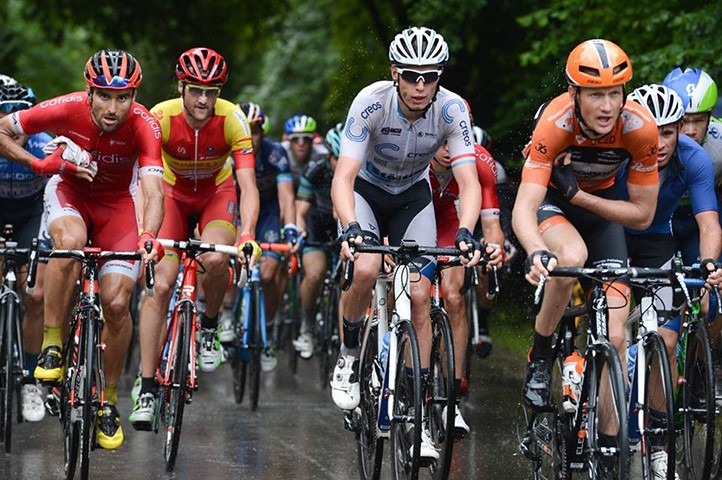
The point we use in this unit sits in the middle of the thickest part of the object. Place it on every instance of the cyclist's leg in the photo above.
(68, 230)
(451, 281)
(314, 270)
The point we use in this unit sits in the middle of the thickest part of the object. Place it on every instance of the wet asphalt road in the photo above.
(296, 433)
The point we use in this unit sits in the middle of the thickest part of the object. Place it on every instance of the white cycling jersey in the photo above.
(713, 146)
(394, 153)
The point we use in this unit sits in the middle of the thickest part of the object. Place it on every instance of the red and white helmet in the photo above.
(202, 66)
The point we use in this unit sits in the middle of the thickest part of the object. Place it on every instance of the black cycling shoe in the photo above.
(537, 384)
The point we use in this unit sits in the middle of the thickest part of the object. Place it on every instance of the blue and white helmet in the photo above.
(662, 102)
(419, 46)
(695, 87)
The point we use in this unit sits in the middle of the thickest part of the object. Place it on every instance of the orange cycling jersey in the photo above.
(595, 162)
(196, 159)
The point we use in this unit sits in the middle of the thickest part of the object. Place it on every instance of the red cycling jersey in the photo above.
(135, 143)
(445, 194)
(595, 162)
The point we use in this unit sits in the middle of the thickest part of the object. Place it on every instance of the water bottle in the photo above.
(384, 356)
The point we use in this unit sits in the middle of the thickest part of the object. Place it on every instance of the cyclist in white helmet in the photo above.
(381, 187)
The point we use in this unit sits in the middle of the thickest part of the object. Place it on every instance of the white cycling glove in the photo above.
(72, 153)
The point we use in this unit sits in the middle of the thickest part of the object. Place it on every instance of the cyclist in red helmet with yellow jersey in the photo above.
(200, 133)
(105, 141)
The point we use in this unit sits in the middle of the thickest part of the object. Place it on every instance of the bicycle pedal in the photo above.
(350, 423)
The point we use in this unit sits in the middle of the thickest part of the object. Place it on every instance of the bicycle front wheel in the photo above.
(71, 428)
(658, 406)
(440, 395)
(406, 409)
(330, 340)
(369, 445)
(255, 340)
(179, 385)
(607, 434)
(8, 377)
(86, 367)
(696, 403)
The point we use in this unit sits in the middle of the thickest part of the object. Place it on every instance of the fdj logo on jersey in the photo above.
(370, 109)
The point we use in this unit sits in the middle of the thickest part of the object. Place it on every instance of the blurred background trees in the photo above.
(296, 56)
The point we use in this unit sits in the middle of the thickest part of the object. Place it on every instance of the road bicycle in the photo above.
(176, 373)
(12, 367)
(82, 392)
(392, 392)
(251, 323)
(559, 443)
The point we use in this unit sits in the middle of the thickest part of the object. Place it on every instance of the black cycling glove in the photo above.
(463, 235)
(565, 181)
(545, 257)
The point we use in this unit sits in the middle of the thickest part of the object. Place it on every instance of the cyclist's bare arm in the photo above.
(151, 187)
(302, 209)
(286, 201)
(342, 195)
(710, 237)
(636, 213)
(524, 222)
(249, 204)
(469, 194)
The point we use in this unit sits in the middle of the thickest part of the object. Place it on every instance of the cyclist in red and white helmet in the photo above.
(105, 141)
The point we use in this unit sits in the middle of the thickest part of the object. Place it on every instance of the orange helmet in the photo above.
(598, 63)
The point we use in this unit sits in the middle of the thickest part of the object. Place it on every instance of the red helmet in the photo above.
(115, 69)
(202, 66)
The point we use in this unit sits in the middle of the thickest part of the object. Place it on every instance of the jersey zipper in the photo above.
(195, 164)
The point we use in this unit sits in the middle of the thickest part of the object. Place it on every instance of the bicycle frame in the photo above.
(255, 279)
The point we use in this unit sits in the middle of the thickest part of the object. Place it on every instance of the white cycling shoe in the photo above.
(345, 387)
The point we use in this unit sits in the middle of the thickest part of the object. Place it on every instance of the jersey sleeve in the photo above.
(547, 141)
(459, 135)
(359, 125)
(486, 170)
(642, 138)
(279, 159)
(309, 180)
(49, 115)
(148, 136)
(700, 181)
(238, 136)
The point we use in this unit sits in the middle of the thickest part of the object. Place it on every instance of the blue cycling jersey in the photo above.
(689, 169)
(18, 182)
(272, 168)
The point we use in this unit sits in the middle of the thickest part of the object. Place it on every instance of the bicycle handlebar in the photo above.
(198, 246)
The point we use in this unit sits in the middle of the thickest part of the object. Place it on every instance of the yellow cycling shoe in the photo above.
(110, 434)
(50, 363)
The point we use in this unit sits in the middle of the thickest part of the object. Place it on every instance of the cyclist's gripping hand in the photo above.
(352, 233)
(55, 164)
(291, 235)
(466, 242)
(713, 271)
(538, 263)
(157, 252)
(248, 251)
(495, 254)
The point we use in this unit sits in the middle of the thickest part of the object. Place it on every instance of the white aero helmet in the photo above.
(662, 102)
(418, 46)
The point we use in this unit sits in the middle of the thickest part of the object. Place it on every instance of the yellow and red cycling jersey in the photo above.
(595, 162)
(196, 160)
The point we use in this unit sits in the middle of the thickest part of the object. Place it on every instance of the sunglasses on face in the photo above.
(197, 91)
(14, 106)
(413, 76)
(114, 82)
(300, 138)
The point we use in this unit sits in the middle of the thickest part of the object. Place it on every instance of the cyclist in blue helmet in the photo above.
(299, 134)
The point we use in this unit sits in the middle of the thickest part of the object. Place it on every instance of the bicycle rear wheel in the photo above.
(179, 385)
(439, 393)
(294, 313)
(240, 361)
(407, 406)
(8, 376)
(255, 340)
(369, 445)
(696, 400)
(607, 434)
(658, 406)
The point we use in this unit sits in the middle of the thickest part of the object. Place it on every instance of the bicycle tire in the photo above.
(369, 445)
(407, 407)
(600, 358)
(696, 448)
(179, 386)
(295, 325)
(71, 444)
(661, 429)
(8, 374)
(87, 367)
(330, 341)
(472, 316)
(255, 339)
(440, 394)
(239, 364)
